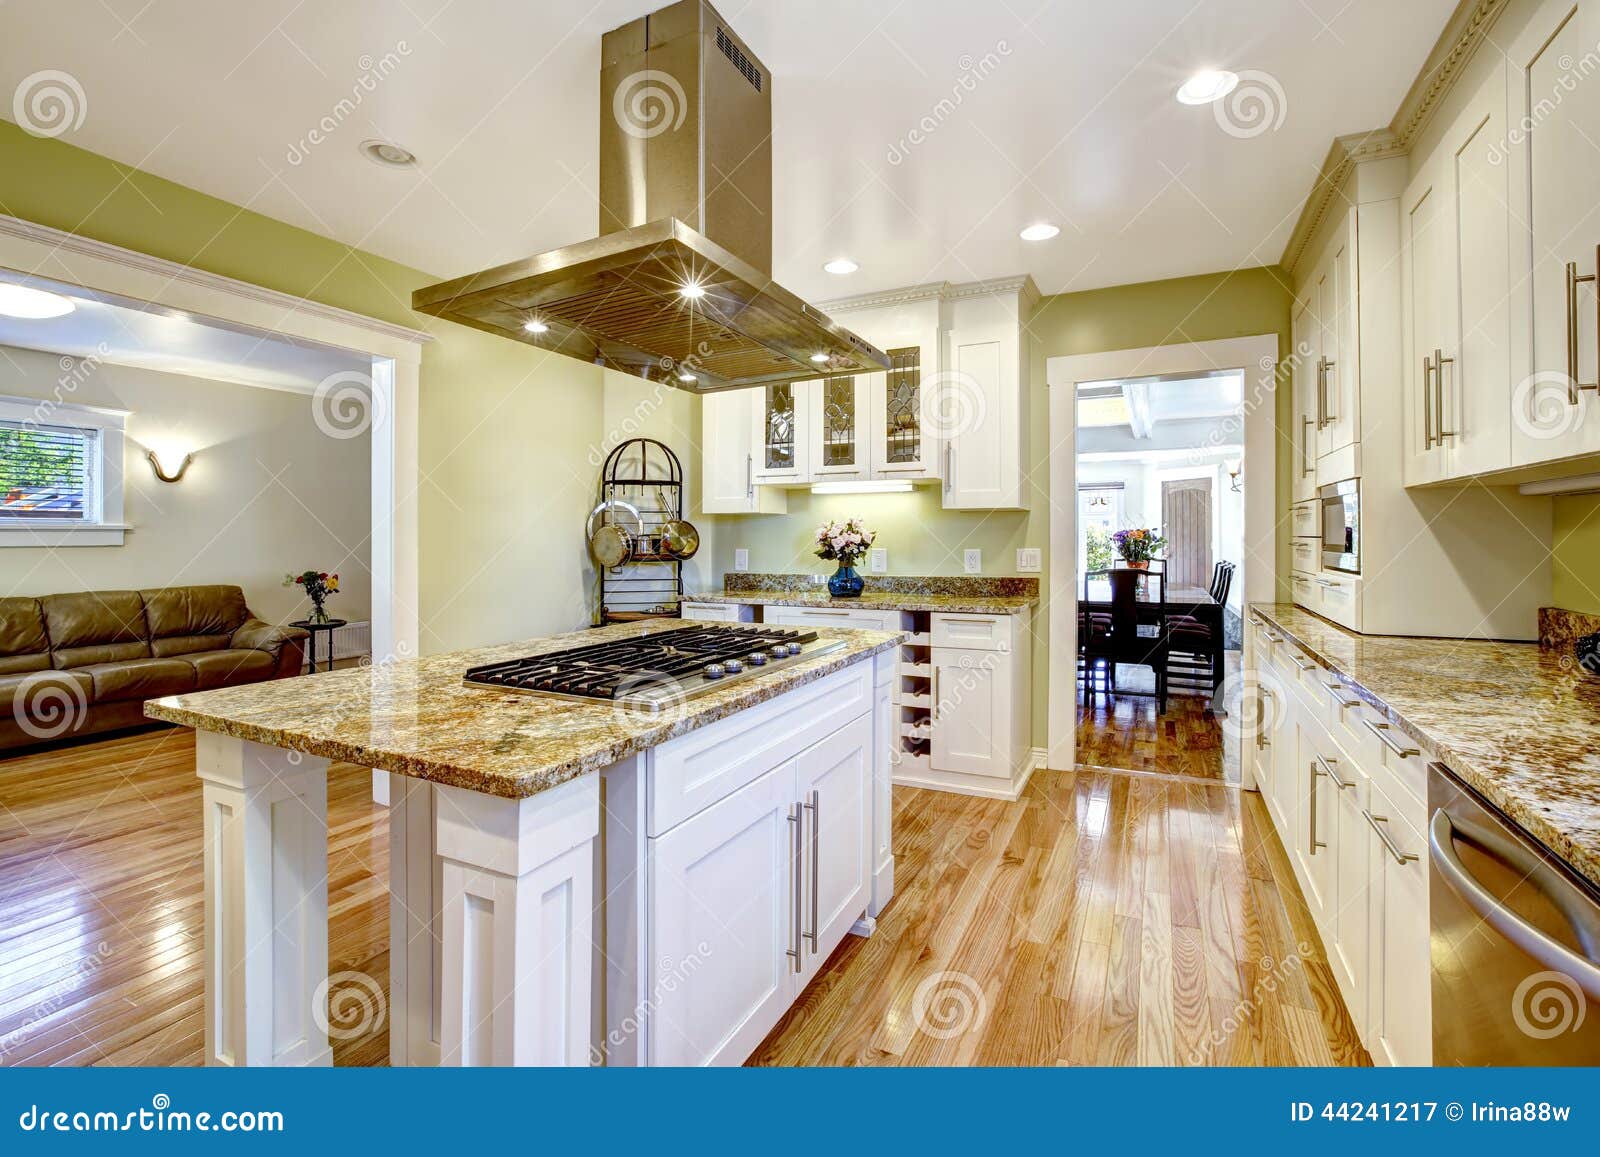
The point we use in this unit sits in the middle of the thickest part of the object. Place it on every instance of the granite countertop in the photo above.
(874, 601)
(1519, 724)
(416, 716)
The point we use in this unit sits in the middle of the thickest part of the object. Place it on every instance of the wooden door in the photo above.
(1186, 523)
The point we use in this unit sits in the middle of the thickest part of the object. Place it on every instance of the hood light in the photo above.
(535, 327)
(879, 487)
(819, 358)
(33, 304)
(692, 291)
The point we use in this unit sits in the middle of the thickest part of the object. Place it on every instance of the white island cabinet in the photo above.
(571, 883)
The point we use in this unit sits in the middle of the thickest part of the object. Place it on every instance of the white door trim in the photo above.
(1257, 356)
(395, 350)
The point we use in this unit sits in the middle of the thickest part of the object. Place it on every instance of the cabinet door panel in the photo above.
(970, 713)
(1423, 271)
(904, 444)
(1339, 424)
(981, 470)
(722, 924)
(840, 441)
(1312, 842)
(1402, 998)
(728, 457)
(1307, 354)
(781, 420)
(835, 785)
(1349, 948)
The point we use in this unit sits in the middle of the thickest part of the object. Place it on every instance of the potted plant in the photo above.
(1138, 546)
(844, 542)
(318, 584)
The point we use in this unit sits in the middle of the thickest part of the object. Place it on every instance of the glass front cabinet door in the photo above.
(839, 427)
(782, 424)
(900, 413)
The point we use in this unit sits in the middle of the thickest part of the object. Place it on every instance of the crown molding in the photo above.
(60, 240)
(935, 291)
(1462, 36)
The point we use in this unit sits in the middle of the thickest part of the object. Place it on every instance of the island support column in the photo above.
(266, 906)
(518, 909)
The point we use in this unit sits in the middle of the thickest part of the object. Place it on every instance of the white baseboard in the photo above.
(957, 784)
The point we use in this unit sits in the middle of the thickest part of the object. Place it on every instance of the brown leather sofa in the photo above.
(73, 665)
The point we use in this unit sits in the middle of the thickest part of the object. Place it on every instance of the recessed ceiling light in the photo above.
(1042, 231)
(692, 290)
(387, 154)
(819, 357)
(1207, 85)
(841, 265)
(33, 304)
(535, 327)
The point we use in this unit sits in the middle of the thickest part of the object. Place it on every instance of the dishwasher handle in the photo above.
(1549, 952)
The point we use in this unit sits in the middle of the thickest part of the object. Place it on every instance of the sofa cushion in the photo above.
(46, 704)
(95, 627)
(241, 665)
(23, 643)
(185, 619)
(140, 678)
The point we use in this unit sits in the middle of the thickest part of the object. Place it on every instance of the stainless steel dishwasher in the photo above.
(1516, 940)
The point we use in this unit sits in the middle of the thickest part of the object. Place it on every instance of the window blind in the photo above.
(47, 472)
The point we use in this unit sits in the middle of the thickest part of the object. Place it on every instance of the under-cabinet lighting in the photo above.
(1577, 484)
(30, 304)
(879, 486)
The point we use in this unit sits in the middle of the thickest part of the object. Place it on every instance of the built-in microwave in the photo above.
(1341, 526)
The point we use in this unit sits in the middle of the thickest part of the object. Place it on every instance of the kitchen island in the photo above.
(570, 882)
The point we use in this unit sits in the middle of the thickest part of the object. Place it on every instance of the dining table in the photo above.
(1179, 600)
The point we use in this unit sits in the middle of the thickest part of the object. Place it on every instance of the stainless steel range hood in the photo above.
(678, 286)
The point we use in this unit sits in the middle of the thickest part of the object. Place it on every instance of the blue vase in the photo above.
(845, 583)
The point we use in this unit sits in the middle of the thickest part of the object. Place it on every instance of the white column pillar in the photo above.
(266, 909)
(519, 938)
(415, 892)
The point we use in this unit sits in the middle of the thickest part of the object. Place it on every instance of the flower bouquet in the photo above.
(318, 584)
(1138, 546)
(844, 542)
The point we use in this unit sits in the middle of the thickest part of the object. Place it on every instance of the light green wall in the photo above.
(504, 429)
(1577, 554)
(923, 539)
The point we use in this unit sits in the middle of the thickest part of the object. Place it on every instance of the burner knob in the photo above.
(714, 671)
(732, 666)
(756, 658)
(780, 650)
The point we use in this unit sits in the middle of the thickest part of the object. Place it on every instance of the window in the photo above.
(60, 474)
(1099, 516)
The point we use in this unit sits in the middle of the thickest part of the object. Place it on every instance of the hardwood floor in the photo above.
(1102, 919)
(1123, 731)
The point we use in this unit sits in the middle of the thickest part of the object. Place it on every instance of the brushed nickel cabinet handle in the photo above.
(1427, 403)
(1573, 281)
(1322, 386)
(1330, 416)
(1439, 363)
(750, 477)
(1315, 843)
(1382, 730)
(949, 456)
(1262, 695)
(1306, 469)
(1327, 770)
(798, 883)
(1401, 858)
(814, 806)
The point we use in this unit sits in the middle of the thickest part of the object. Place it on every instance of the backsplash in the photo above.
(962, 586)
(1559, 629)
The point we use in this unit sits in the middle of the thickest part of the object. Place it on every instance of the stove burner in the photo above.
(650, 670)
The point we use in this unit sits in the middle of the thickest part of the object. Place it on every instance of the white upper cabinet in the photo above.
(1554, 172)
(1337, 369)
(727, 474)
(841, 448)
(781, 418)
(1425, 280)
(900, 414)
(982, 404)
(1304, 369)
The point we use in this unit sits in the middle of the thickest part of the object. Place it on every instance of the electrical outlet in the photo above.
(1028, 559)
(741, 560)
(972, 561)
(878, 560)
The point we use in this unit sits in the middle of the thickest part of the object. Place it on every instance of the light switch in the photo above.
(878, 560)
(741, 559)
(1028, 559)
(972, 561)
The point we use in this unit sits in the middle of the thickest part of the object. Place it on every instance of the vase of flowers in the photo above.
(844, 542)
(1138, 546)
(318, 584)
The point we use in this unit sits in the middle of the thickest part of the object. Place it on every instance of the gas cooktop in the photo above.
(653, 671)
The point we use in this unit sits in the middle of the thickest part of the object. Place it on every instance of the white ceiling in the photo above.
(1066, 115)
(124, 333)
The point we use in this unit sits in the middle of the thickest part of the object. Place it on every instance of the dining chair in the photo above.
(1123, 643)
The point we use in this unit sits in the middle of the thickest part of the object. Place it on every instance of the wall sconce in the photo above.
(161, 461)
(1234, 469)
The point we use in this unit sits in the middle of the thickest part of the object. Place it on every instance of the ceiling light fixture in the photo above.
(686, 376)
(883, 487)
(841, 266)
(1207, 85)
(33, 304)
(1042, 231)
(819, 358)
(692, 290)
(388, 154)
(535, 327)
